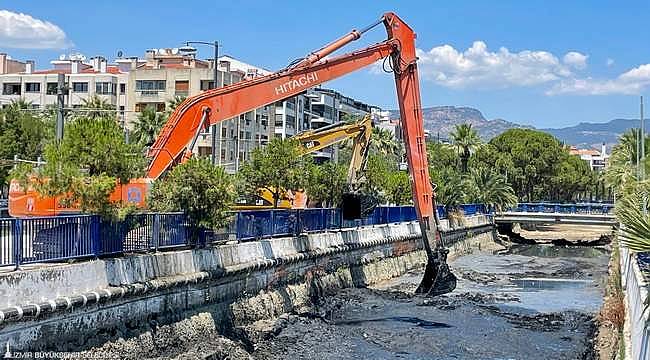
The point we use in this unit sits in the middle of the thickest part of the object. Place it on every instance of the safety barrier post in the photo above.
(155, 232)
(94, 235)
(18, 241)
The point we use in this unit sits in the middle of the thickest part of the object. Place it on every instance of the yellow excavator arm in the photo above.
(314, 140)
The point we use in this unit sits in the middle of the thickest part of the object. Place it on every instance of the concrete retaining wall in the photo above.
(97, 302)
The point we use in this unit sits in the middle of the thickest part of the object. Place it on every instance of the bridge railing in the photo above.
(564, 208)
(41, 239)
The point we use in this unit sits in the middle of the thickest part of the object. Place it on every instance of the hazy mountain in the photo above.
(594, 134)
(440, 120)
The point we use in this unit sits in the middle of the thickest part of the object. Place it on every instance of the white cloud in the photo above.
(575, 59)
(479, 67)
(609, 62)
(18, 30)
(631, 82)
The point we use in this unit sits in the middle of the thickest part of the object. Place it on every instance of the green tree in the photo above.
(23, 133)
(147, 126)
(451, 189)
(278, 167)
(531, 159)
(85, 166)
(327, 184)
(383, 142)
(398, 188)
(95, 107)
(203, 191)
(466, 141)
(491, 189)
(572, 177)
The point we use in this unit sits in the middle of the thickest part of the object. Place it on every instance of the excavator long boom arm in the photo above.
(213, 106)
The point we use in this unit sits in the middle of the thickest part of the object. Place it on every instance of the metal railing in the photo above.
(586, 208)
(42, 239)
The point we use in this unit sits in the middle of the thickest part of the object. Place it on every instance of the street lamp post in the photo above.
(215, 67)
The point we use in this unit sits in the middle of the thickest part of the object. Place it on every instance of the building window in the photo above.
(150, 85)
(32, 87)
(11, 89)
(248, 135)
(223, 154)
(80, 87)
(105, 88)
(36, 106)
(159, 107)
(122, 88)
(224, 132)
(207, 85)
(51, 88)
(182, 88)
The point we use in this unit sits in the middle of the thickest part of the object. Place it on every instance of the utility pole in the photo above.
(215, 75)
(642, 160)
(60, 99)
(214, 126)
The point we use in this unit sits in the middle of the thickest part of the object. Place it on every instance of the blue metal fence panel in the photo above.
(254, 224)
(171, 230)
(6, 242)
(56, 238)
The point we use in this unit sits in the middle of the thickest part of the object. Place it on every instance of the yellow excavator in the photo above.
(314, 140)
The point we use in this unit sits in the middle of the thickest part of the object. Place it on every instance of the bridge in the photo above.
(546, 213)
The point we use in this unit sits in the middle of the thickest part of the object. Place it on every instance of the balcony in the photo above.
(182, 93)
(321, 120)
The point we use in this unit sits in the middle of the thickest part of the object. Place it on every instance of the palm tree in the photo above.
(492, 189)
(147, 127)
(97, 107)
(466, 141)
(635, 234)
(383, 142)
(172, 104)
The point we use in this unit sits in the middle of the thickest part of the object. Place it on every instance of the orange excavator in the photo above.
(398, 52)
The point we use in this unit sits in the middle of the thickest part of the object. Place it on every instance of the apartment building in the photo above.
(597, 160)
(84, 78)
(11, 66)
(164, 74)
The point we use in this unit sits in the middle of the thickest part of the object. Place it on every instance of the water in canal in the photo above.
(527, 302)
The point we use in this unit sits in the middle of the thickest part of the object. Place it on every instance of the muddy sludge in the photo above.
(529, 303)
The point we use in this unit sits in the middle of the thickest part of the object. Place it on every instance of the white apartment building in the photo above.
(597, 160)
(84, 78)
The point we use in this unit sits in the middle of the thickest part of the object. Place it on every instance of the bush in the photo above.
(203, 191)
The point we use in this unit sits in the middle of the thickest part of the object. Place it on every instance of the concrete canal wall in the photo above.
(147, 303)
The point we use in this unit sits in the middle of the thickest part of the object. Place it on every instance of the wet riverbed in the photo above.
(527, 302)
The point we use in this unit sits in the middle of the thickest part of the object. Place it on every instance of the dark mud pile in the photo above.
(529, 302)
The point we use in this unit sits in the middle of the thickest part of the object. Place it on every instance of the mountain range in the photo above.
(439, 121)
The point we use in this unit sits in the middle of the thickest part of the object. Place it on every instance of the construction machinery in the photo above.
(398, 53)
(315, 140)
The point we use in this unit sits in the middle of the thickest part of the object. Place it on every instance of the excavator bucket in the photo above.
(438, 278)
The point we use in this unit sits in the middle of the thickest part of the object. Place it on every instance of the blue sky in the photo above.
(543, 63)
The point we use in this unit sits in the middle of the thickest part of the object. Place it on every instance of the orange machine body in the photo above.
(29, 202)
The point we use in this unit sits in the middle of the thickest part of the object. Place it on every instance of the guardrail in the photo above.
(42, 239)
(595, 208)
